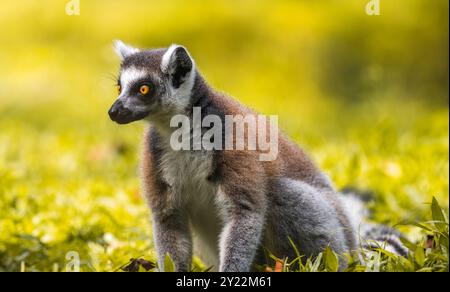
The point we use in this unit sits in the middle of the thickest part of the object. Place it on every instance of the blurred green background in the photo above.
(366, 96)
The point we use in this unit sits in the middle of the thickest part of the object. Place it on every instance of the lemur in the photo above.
(227, 203)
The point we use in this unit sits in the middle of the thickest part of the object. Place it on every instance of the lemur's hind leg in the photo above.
(304, 214)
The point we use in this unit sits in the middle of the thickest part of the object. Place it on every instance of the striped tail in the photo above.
(383, 236)
(370, 235)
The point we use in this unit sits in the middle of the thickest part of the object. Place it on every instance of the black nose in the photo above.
(115, 109)
(121, 115)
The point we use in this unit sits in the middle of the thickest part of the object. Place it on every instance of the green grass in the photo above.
(366, 97)
(71, 184)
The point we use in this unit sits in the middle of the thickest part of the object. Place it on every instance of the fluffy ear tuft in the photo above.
(178, 64)
(123, 50)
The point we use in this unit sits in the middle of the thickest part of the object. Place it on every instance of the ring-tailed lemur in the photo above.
(236, 205)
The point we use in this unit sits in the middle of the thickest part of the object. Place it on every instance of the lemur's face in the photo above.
(152, 83)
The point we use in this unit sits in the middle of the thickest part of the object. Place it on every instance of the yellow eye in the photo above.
(119, 89)
(144, 89)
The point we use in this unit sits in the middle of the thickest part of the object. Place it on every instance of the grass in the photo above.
(343, 89)
(74, 187)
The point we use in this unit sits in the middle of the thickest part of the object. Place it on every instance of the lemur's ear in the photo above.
(178, 64)
(124, 50)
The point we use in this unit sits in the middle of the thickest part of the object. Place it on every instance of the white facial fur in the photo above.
(128, 77)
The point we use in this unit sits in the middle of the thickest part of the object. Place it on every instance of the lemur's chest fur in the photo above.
(187, 172)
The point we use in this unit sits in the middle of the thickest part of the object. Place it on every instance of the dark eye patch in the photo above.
(135, 86)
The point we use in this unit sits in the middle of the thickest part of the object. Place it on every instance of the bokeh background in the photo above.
(366, 96)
